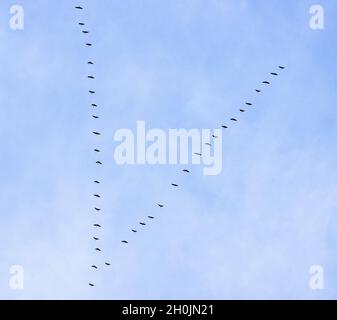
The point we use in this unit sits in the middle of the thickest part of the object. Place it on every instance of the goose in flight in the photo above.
(142, 223)
(133, 230)
(98, 249)
(95, 238)
(208, 144)
(93, 266)
(78, 7)
(187, 171)
(96, 181)
(91, 91)
(88, 44)
(91, 77)
(266, 82)
(225, 127)
(249, 104)
(96, 150)
(94, 105)
(274, 73)
(257, 90)
(281, 67)
(150, 217)
(214, 136)
(233, 119)
(98, 162)
(242, 110)
(160, 205)
(91, 285)
(174, 185)
(97, 225)
(107, 264)
(97, 209)
(97, 195)
(90, 62)
(124, 241)
(96, 133)
(85, 31)
(95, 117)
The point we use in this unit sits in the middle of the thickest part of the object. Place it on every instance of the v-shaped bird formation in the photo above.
(88, 44)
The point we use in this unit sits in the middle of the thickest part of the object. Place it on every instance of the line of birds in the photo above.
(96, 150)
(224, 126)
(185, 171)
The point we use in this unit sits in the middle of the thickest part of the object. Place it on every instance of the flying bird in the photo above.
(96, 133)
(90, 62)
(133, 230)
(88, 44)
(281, 67)
(93, 266)
(98, 249)
(150, 217)
(97, 225)
(95, 238)
(242, 110)
(257, 90)
(142, 223)
(97, 195)
(274, 73)
(91, 285)
(98, 162)
(185, 170)
(124, 241)
(91, 77)
(94, 105)
(249, 104)
(225, 127)
(91, 91)
(85, 31)
(97, 209)
(78, 7)
(160, 205)
(95, 117)
(197, 153)
(214, 136)
(233, 119)
(96, 181)
(174, 185)
(96, 150)
(266, 82)
(107, 264)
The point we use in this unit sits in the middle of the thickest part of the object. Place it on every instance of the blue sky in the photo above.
(251, 232)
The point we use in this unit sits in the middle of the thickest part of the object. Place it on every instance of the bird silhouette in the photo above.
(233, 119)
(249, 104)
(97, 209)
(225, 127)
(174, 184)
(93, 266)
(97, 195)
(78, 7)
(266, 82)
(133, 230)
(98, 249)
(91, 77)
(88, 44)
(96, 150)
(95, 117)
(94, 105)
(97, 225)
(90, 62)
(92, 91)
(98, 162)
(85, 31)
(242, 110)
(281, 67)
(150, 217)
(124, 241)
(214, 136)
(96, 181)
(107, 264)
(81, 24)
(160, 205)
(208, 144)
(274, 73)
(257, 90)
(91, 285)
(187, 171)
(142, 223)
(197, 153)
(96, 133)
(95, 238)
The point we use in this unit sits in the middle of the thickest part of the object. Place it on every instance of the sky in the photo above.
(251, 232)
